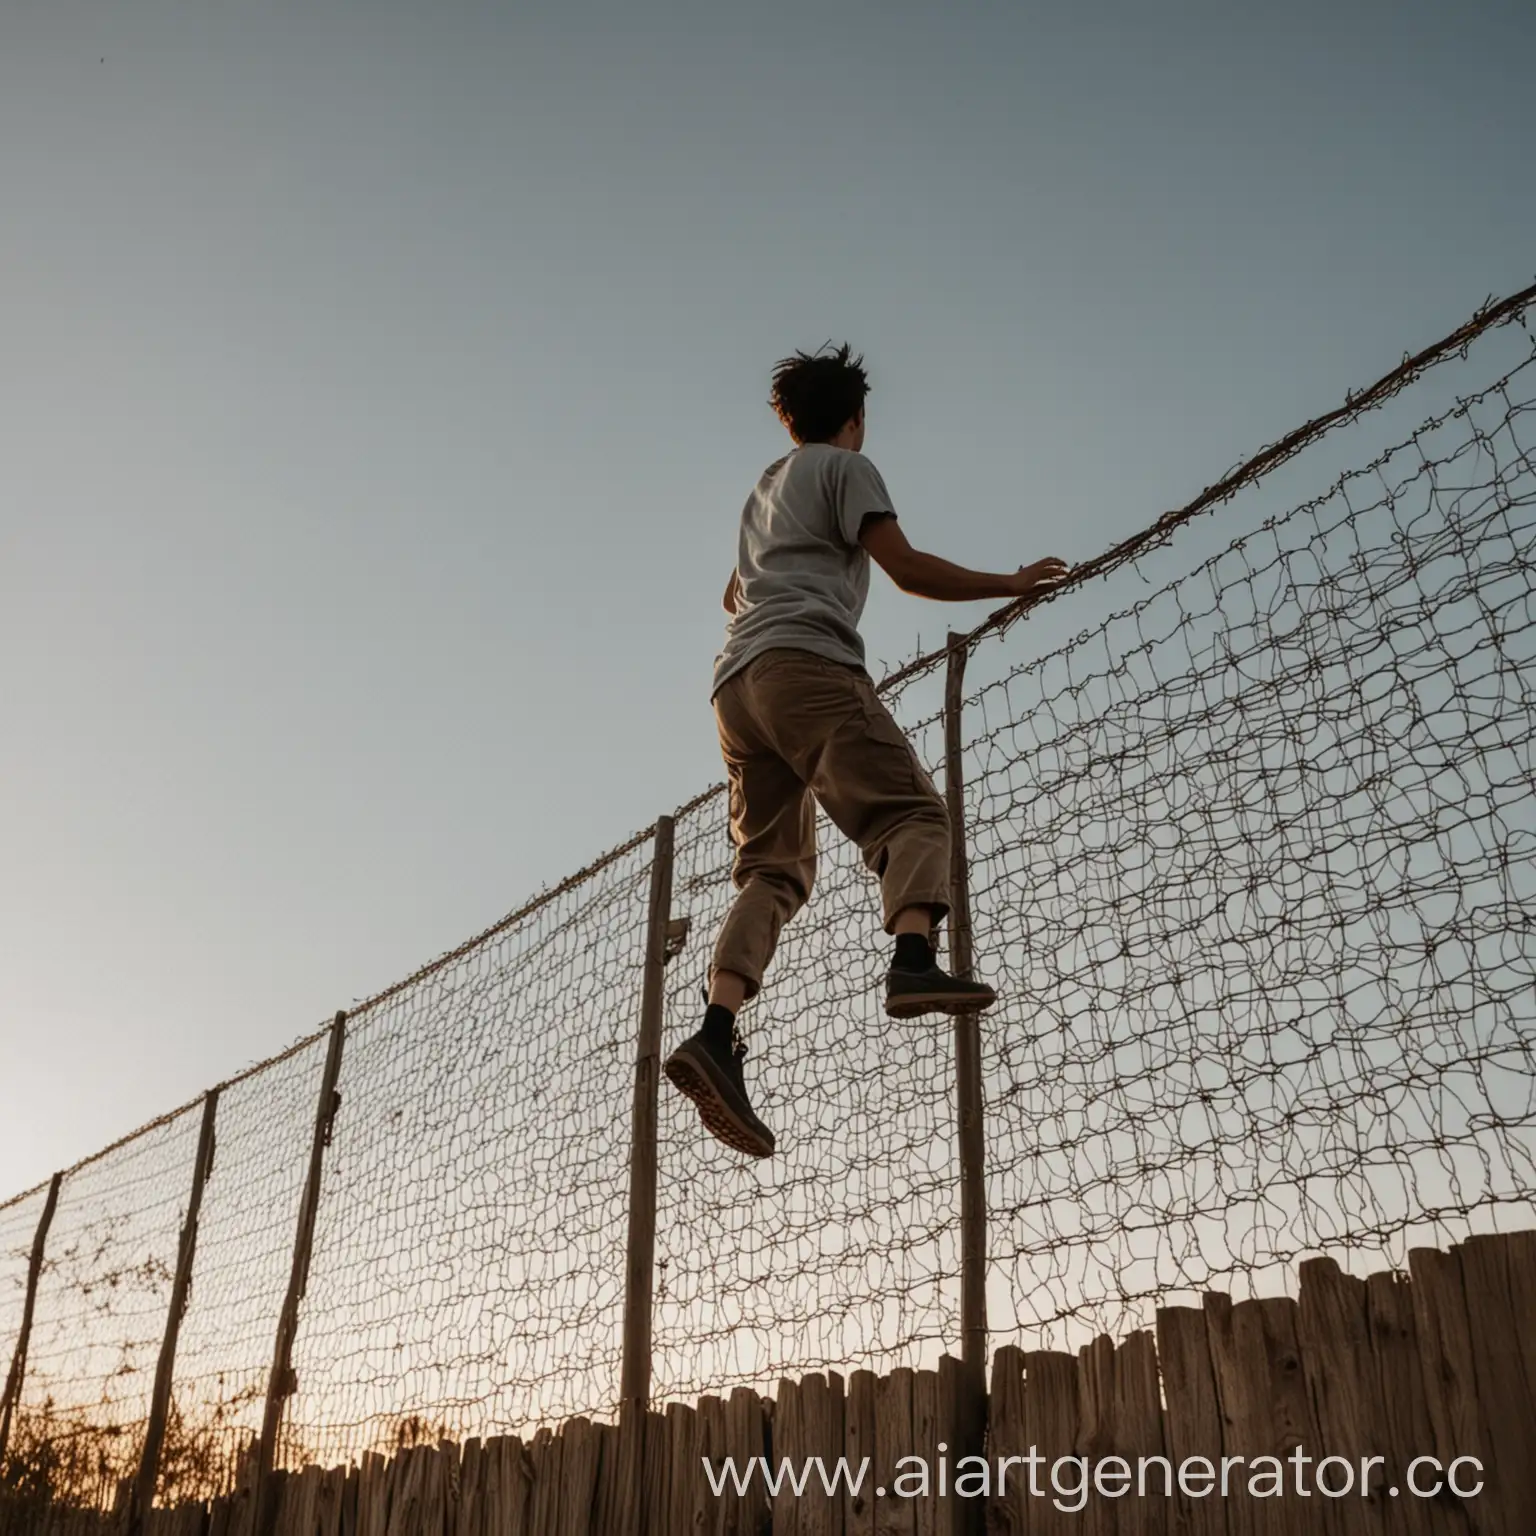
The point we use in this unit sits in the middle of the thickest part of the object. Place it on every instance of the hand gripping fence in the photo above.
(1251, 862)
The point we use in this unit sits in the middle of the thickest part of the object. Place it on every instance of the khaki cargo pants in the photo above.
(793, 725)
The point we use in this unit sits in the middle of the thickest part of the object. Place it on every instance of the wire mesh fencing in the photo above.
(245, 1238)
(1252, 862)
(469, 1255)
(1280, 999)
(103, 1286)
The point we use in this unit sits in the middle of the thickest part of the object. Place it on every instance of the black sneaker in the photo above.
(933, 990)
(710, 1074)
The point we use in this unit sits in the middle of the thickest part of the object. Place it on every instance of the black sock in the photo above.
(914, 952)
(718, 1025)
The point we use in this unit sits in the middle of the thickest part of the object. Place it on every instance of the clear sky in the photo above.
(382, 383)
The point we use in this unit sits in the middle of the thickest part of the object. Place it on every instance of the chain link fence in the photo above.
(1252, 864)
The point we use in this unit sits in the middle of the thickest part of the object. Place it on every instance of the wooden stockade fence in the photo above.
(1440, 1362)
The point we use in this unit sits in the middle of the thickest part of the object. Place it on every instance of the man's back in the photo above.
(803, 576)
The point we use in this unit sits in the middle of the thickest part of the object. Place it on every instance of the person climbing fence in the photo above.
(800, 721)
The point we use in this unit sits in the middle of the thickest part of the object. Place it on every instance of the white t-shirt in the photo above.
(803, 574)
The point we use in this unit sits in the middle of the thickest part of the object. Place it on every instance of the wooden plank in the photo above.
(708, 1510)
(894, 1515)
(1241, 1373)
(1096, 1427)
(283, 1506)
(280, 1383)
(179, 1520)
(304, 1501)
(1508, 1401)
(372, 1495)
(1521, 1248)
(545, 1455)
(485, 1513)
(579, 1464)
(409, 1513)
(413, 1473)
(509, 1477)
(186, 1519)
(821, 1416)
(276, 1492)
(859, 1432)
(228, 1515)
(1274, 1321)
(683, 1438)
(627, 1479)
(450, 1484)
(373, 1490)
(310, 1488)
(1192, 1414)
(1137, 1436)
(331, 1501)
(656, 1487)
(450, 1480)
(1445, 1357)
(925, 1440)
(328, 1503)
(349, 1496)
(746, 1437)
(11, 1396)
(1406, 1426)
(1050, 1426)
(955, 1516)
(478, 1511)
(406, 1473)
(608, 1501)
(1266, 1413)
(242, 1512)
(640, 1252)
(470, 1519)
(1008, 1505)
(396, 1498)
(788, 1445)
(1334, 1335)
(432, 1495)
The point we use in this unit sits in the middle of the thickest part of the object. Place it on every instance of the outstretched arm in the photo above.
(925, 575)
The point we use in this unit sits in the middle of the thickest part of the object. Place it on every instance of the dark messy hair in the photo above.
(816, 394)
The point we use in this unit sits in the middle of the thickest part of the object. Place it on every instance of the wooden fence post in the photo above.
(968, 1095)
(160, 1402)
(281, 1384)
(639, 1267)
(12, 1394)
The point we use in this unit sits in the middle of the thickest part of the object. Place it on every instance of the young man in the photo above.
(798, 717)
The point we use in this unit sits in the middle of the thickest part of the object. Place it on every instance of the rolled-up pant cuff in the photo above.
(936, 902)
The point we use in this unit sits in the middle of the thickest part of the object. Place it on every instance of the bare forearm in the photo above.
(934, 577)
